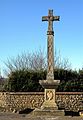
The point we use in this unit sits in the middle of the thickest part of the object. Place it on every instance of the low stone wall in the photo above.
(70, 101)
(15, 101)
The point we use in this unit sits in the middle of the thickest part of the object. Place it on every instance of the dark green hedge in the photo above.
(26, 80)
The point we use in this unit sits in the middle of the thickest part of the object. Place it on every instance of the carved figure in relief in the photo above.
(49, 95)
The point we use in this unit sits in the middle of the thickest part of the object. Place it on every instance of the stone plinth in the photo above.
(49, 93)
(40, 112)
(49, 106)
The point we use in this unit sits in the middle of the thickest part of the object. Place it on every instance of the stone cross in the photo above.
(49, 106)
(50, 48)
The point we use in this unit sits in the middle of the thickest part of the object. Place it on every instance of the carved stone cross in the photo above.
(49, 106)
(50, 48)
(50, 84)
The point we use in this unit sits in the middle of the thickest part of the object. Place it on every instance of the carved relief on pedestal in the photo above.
(49, 95)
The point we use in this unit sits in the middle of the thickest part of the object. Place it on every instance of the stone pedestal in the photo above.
(49, 101)
(49, 106)
(49, 93)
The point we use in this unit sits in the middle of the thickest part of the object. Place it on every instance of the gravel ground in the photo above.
(15, 116)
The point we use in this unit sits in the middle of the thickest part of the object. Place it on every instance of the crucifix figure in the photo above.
(50, 48)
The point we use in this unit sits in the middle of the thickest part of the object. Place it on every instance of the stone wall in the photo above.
(70, 101)
(11, 101)
(15, 101)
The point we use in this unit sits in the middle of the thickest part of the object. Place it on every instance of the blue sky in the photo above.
(22, 29)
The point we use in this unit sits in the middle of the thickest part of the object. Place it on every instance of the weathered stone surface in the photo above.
(13, 102)
(49, 98)
(18, 101)
(72, 101)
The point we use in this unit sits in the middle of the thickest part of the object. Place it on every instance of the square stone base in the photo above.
(40, 112)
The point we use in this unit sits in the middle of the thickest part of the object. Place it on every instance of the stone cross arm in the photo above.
(50, 18)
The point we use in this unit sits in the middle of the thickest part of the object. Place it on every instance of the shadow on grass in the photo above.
(26, 111)
(71, 113)
(67, 113)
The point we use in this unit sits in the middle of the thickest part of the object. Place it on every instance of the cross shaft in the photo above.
(50, 45)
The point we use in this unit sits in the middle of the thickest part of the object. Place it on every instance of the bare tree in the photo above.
(35, 61)
(38, 61)
(29, 61)
(61, 63)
